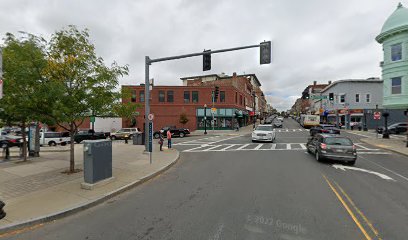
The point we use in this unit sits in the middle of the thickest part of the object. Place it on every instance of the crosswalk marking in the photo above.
(243, 146)
(258, 147)
(302, 146)
(227, 147)
(288, 146)
(273, 146)
(211, 148)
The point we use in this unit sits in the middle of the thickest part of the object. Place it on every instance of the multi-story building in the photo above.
(352, 100)
(394, 37)
(309, 105)
(194, 99)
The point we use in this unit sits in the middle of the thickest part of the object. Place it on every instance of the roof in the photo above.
(396, 23)
(221, 76)
(368, 80)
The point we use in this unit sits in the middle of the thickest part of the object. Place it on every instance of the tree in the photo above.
(183, 118)
(24, 59)
(81, 83)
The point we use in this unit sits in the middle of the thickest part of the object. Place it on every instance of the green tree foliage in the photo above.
(23, 62)
(82, 84)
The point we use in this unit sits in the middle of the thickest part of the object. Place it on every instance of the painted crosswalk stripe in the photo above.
(227, 147)
(288, 146)
(211, 148)
(243, 146)
(273, 146)
(359, 145)
(302, 146)
(258, 147)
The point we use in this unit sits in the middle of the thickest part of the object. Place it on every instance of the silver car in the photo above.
(264, 133)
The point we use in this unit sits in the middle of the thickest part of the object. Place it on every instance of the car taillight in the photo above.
(325, 130)
(13, 140)
(323, 145)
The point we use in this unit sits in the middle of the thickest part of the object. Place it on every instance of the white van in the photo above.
(54, 138)
(308, 121)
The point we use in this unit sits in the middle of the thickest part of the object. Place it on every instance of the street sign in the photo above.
(377, 115)
(317, 97)
(150, 117)
(92, 119)
(150, 136)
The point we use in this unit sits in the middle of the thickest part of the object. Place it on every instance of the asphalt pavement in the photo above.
(226, 187)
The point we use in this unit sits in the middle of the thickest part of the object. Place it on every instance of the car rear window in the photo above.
(328, 126)
(338, 141)
(264, 128)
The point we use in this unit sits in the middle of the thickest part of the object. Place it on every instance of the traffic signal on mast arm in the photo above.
(331, 96)
(265, 50)
(206, 61)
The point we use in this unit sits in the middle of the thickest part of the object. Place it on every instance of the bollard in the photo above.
(2, 212)
(126, 139)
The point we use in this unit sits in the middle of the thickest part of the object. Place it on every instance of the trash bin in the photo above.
(97, 160)
(137, 139)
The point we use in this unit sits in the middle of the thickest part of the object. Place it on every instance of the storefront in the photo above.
(224, 118)
(345, 115)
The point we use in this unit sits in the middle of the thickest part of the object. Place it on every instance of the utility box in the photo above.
(138, 139)
(97, 162)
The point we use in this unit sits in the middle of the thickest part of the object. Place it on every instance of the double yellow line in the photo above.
(350, 212)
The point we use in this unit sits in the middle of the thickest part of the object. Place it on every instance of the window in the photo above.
(357, 98)
(222, 96)
(396, 85)
(396, 52)
(170, 96)
(161, 96)
(342, 98)
(368, 96)
(236, 97)
(240, 99)
(186, 96)
(141, 96)
(133, 98)
(194, 96)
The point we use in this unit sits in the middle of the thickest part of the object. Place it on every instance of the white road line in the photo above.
(287, 130)
(377, 153)
(273, 147)
(399, 175)
(259, 146)
(228, 147)
(302, 146)
(288, 146)
(242, 147)
(359, 145)
(192, 149)
(211, 148)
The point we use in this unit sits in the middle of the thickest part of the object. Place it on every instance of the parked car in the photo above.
(264, 133)
(280, 118)
(325, 146)
(175, 132)
(54, 138)
(88, 135)
(324, 128)
(10, 141)
(277, 123)
(124, 133)
(396, 128)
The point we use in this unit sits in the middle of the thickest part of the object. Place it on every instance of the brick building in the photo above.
(234, 104)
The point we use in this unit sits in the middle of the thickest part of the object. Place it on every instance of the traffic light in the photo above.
(265, 49)
(216, 92)
(331, 96)
(206, 61)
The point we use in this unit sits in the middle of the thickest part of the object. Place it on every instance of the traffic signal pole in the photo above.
(265, 58)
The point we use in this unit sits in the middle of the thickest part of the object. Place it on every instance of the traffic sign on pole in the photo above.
(150, 117)
(377, 115)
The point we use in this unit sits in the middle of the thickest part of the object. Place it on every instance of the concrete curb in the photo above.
(379, 146)
(81, 207)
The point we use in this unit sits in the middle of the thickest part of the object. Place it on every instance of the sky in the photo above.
(314, 40)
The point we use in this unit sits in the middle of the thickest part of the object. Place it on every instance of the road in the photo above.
(226, 187)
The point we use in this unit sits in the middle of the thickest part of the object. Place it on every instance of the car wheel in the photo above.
(113, 138)
(156, 136)
(318, 158)
(4, 145)
(351, 163)
(63, 143)
(52, 143)
(182, 134)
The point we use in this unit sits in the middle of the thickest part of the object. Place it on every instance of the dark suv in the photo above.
(396, 128)
(324, 128)
(325, 146)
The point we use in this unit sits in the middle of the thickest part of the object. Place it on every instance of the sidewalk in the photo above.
(36, 191)
(394, 143)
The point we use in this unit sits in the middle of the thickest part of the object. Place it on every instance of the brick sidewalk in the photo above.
(37, 189)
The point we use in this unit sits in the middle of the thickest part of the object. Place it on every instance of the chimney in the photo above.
(314, 83)
(234, 74)
(330, 82)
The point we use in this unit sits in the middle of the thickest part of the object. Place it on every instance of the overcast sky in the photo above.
(314, 40)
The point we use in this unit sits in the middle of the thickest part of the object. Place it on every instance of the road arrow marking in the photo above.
(342, 167)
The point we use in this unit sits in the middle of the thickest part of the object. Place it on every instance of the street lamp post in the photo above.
(205, 118)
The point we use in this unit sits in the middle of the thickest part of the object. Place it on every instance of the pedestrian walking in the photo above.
(168, 139)
(161, 140)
